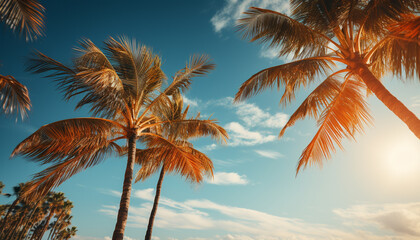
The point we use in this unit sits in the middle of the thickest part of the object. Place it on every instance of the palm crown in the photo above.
(121, 84)
(369, 37)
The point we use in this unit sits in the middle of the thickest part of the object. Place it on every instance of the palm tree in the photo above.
(27, 17)
(63, 211)
(357, 35)
(122, 86)
(154, 158)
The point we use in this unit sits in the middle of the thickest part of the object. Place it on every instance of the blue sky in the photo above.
(368, 191)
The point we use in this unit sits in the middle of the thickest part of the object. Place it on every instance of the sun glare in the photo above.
(402, 158)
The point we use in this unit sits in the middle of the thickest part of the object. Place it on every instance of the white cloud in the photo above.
(415, 102)
(110, 192)
(233, 9)
(209, 147)
(228, 178)
(269, 154)
(239, 135)
(401, 219)
(253, 116)
(191, 102)
(146, 194)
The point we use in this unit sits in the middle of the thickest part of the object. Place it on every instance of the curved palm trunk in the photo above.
(125, 197)
(155, 205)
(393, 104)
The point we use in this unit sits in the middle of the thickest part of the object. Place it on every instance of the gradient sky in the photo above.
(368, 191)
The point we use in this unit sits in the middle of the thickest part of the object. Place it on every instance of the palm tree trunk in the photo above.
(393, 104)
(155, 205)
(125, 197)
(44, 229)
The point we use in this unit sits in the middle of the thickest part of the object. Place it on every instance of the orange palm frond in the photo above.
(405, 57)
(53, 176)
(66, 139)
(319, 98)
(279, 30)
(344, 116)
(378, 14)
(408, 28)
(320, 14)
(14, 97)
(292, 75)
(135, 64)
(197, 66)
(193, 128)
(175, 158)
(24, 15)
(185, 160)
(94, 67)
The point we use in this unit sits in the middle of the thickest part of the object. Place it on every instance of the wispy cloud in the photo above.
(269, 154)
(243, 223)
(227, 178)
(233, 9)
(402, 219)
(415, 102)
(239, 135)
(254, 116)
(191, 102)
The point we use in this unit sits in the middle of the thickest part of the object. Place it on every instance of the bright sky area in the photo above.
(368, 191)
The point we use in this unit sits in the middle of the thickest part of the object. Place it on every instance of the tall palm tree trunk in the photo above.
(393, 104)
(155, 205)
(125, 197)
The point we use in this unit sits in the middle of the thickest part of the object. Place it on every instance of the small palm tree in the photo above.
(27, 17)
(362, 36)
(123, 86)
(154, 158)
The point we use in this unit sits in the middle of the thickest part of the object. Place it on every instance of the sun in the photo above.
(402, 157)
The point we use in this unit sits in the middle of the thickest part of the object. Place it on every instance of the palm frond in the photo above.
(318, 99)
(343, 117)
(197, 66)
(323, 15)
(14, 97)
(94, 67)
(66, 139)
(26, 16)
(100, 86)
(63, 75)
(399, 51)
(283, 32)
(380, 13)
(136, 65)
(189, 162)
(53, 176)
(292, 75)
(174, 157)
(408, 28)
(193, 128)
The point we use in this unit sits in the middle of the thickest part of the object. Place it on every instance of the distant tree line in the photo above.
(33, 219)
